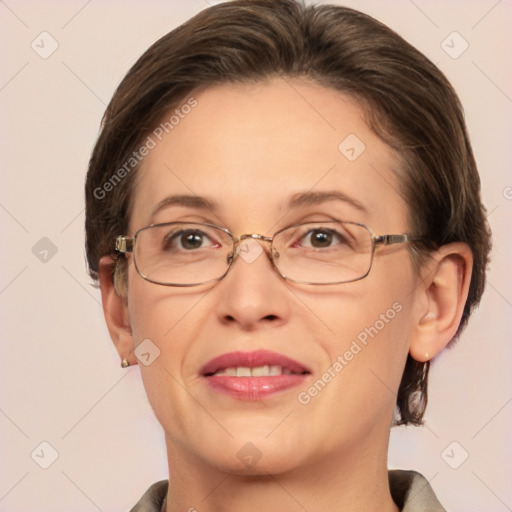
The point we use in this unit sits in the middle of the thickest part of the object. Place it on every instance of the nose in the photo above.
(253, 294)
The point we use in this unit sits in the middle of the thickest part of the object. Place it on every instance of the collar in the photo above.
(410, 491)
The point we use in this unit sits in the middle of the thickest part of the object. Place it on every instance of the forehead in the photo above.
(252, 149)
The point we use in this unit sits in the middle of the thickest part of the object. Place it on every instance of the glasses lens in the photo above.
(324, 253)
(182, 253)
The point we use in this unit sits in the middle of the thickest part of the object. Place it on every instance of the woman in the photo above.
(284, 217)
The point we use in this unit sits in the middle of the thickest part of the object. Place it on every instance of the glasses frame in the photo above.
(126, 244)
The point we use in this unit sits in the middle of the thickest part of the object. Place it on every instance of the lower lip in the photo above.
(254, 388)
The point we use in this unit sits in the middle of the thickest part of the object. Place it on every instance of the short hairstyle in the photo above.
(406, 99)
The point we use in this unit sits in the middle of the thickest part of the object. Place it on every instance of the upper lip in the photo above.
(252, 360)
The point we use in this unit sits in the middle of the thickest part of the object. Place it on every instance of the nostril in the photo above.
(270, 317)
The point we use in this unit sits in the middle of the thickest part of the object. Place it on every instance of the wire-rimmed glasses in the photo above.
(316, 253)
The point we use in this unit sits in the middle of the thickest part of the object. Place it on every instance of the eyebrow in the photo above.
(314, 198)
(185, 200)
(297, 200)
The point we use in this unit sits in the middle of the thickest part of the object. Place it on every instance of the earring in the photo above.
(125, 363)
(426, 366)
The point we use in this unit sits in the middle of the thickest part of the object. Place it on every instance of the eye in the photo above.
(321, 238)
(188, 240)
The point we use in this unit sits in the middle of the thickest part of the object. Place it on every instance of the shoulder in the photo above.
(153, 498)
(412, 492)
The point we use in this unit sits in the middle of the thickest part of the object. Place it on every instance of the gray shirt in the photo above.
(410, 491)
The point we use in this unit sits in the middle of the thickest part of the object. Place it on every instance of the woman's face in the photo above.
(250, 150)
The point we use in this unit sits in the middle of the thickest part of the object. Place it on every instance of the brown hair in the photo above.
(408, 102)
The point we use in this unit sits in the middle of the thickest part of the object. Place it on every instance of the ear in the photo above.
(441, 297)
(115, 309)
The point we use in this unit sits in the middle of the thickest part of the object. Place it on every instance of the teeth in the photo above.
(243, 371)
(259, 371)
(276, 370)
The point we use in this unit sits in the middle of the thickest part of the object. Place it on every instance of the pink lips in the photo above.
(253, 388)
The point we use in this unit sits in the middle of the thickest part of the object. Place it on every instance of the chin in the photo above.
(250, 460)
(255, 452)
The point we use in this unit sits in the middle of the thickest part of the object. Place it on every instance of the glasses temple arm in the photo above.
(396, 239)
(124, 244)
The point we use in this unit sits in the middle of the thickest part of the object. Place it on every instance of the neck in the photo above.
(355, 480)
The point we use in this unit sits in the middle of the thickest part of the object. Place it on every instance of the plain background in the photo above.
(60, 377)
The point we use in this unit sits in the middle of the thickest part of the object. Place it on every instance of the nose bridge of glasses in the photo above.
(253, 236)
(249, 236)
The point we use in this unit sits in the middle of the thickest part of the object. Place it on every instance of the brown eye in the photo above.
(320, 239)
(187, 240)
(191, 240)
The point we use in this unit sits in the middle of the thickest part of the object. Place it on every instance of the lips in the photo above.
(255, 359)
(253, 375)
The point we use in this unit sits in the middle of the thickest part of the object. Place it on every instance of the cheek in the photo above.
(367, 310)
(368, 336)
(366, 355)
(157, 312)
(164, 324)
(370, 327)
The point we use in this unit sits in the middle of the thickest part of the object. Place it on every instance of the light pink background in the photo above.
(60, 376)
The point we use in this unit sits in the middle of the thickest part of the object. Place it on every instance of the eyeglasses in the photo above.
(315, 253)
